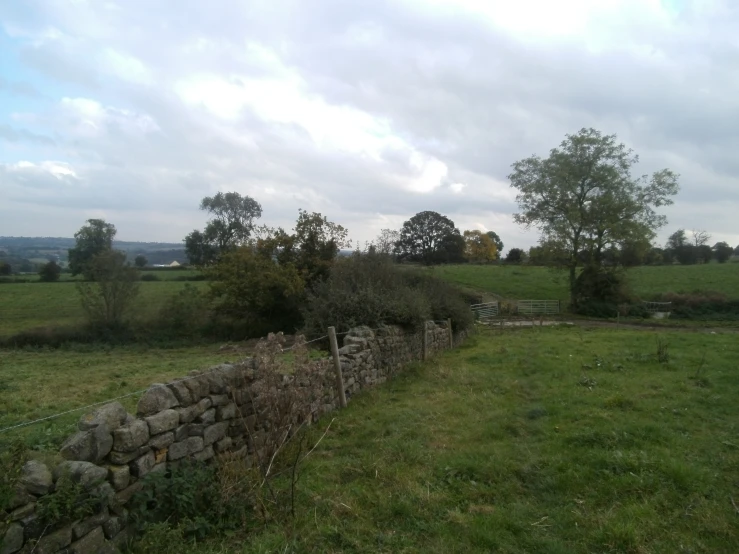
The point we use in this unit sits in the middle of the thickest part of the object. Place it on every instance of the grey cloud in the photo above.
(450, 84)
(20, 88)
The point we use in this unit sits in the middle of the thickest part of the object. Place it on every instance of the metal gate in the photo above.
(537, 307)
(485, 312)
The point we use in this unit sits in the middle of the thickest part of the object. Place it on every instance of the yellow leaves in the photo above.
(479, 247)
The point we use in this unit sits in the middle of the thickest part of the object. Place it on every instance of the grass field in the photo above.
(26, 306)
(161, 274)
(531, 282)
(38, 383)
(536, 441)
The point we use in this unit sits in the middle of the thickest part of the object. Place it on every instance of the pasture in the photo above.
(534, 282)
(25, 306)
(36, 383)
(555, 440)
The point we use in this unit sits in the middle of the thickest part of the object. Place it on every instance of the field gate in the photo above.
(485, 312)
(538, 307)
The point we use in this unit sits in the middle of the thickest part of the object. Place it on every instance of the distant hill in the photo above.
(23, 253)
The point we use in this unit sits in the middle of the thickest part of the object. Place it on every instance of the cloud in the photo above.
(368, 111)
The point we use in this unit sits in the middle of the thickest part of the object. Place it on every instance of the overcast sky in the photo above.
(367, 111)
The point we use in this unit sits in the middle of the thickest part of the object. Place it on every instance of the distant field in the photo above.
(161, 274)
(531, 282)
(28, 305)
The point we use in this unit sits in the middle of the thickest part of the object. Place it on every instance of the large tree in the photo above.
(427, 237)
(385, 241)
(679, 247)
(584, 197)
(231, 224)
(722, 251)
(92, 239)
(497, 240)
(479, 247)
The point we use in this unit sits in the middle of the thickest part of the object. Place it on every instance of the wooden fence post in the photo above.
(424, 351)
(451, 334)
(337, 366)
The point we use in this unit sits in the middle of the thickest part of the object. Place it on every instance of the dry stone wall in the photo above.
(197, 418)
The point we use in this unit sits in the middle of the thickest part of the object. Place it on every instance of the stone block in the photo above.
(160, 456)
(36, 477)
(84, 527)
(207, 417)
(165, 420)
(141, 466)
(227, 411)
(189, 446)
(215, 432)
(193, 386)
(182, 393)
(113, 415)
(223, 445)
(88, 446)
(219, 399)
(217, 384)
(23, 512)
(13, 539)
(205, 454)
(119, 476)
(181, 433)
(112, 527)
(196, 429)
(156, 399)
(85, 473)
(120, 458)
(89, 544)
(131, 436)
(161, 441)
(122, 497)
(54, 542)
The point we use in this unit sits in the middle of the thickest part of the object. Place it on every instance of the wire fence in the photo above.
(57, 415)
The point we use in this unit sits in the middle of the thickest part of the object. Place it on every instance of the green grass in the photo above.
(38, 383)
(26, 306)
(540, 440)
(531, 282)
(162, 275)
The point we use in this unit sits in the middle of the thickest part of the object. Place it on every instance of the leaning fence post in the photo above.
(425, 342)
(337, 366)
(451, 335)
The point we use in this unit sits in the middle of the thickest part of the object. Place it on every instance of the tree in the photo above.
(479, 247)
(680, 248)
(722, 252)
(498, 243)
(422, 238)
(656, 256)
(50, 272)
(584, 197)
(515, 256)
(114, 289)
(231, 225)
(384, 243)
(140, 261)
(92, 239)
(250, 286)
(5, 269)
(632, 253)
(700, 238)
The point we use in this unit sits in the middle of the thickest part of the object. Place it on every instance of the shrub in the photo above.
(111, 294)
(706, 305)
(50, 272)
(600, 291)
(185, 313)
(150, 277)
(368, 289)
